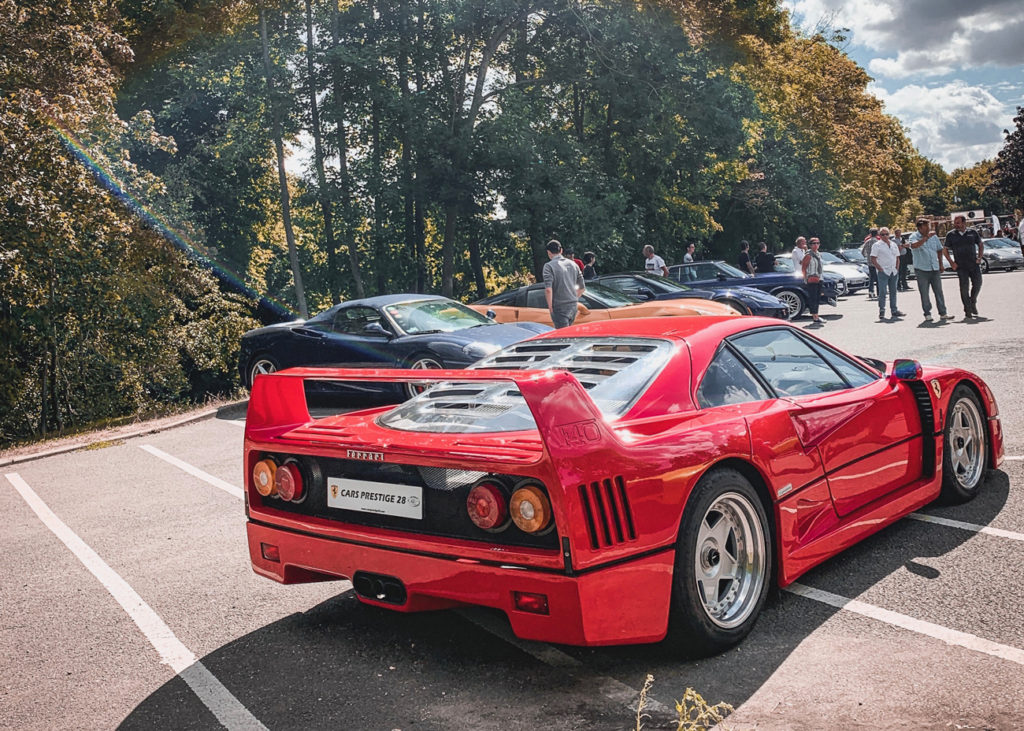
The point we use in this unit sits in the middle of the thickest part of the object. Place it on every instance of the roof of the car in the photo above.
(391, 299)
(672, 328)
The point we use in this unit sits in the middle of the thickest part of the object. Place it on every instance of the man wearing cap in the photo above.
(966, 247)
(563, 285)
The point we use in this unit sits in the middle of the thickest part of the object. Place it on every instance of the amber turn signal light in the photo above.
(263, 477)
(530, 508)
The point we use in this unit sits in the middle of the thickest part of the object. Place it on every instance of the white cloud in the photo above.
(955, 124)
(925, 36)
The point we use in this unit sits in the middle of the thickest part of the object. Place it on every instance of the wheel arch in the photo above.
(973, 387)
(760, 484)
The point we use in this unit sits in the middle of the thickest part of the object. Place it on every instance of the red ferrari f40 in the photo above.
(610, 483)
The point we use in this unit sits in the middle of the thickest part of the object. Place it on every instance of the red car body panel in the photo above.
(833, 468)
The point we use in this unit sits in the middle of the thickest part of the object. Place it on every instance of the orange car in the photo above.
(528, 304)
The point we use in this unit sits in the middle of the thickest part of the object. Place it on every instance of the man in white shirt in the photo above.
(885, 259)
(654, 263)
(798, 254)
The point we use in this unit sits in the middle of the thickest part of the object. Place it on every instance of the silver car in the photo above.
(1001, 253)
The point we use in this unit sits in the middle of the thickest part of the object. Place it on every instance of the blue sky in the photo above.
(951, 71)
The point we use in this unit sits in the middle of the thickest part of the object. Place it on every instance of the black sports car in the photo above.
(789, 288)
(648, 286)
(398, 330)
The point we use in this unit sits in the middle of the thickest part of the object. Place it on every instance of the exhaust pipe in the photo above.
(379, 588)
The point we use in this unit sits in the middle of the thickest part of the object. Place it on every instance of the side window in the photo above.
(621, 284)
(505, 300)
(853, 373)
(728, 381)
(705, 271)
(536, 298)
(352, 320)
(789, 364)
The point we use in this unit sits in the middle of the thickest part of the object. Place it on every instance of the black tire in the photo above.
(984, 266)
(965, 447)
(423, 360)
(261, 363)
(794, 300)
(701, 624)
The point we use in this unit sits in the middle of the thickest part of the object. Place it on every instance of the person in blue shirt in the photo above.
(927, 251)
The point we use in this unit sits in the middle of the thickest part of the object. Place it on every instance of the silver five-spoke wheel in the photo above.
(261, 365)
(966, 447)
(729, 564)
(421, 362)
(723, 564)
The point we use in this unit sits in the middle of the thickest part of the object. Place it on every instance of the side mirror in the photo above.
(491, 314)
(375, 328)
(722, 276)
(904, 369)
(645, 293)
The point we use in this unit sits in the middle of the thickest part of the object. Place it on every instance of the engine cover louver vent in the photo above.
(608, 515)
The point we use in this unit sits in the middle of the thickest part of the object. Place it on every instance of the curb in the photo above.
(141, 431)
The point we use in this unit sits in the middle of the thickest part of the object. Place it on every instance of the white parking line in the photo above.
(973, 527)
(228, 709)
(944, 634)
(194, 471)
(1015, 459)
(608, 687)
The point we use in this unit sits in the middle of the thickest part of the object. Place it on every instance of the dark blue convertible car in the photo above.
(648, 286)
(789, 288)
(398, 330)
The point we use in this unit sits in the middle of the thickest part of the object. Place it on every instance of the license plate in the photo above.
(381, 498)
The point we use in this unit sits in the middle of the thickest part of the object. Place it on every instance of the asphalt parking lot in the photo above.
(128, 600)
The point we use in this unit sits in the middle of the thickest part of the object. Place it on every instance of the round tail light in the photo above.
(530, 508)
(263, 477)
(486, 506)
(288, 481)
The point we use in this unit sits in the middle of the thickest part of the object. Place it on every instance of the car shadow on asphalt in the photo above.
(345, 665)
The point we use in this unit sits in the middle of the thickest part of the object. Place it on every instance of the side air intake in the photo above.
(607, 512)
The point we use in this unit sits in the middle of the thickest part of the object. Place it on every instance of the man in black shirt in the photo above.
(765, 262)
(744, 261)
(966, 246)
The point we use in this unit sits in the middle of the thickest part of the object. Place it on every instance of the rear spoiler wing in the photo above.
(567, 419)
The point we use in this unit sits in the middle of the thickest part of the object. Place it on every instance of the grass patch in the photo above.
(103, 444)
(693, 712)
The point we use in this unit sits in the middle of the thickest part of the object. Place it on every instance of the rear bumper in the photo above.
(625, 603)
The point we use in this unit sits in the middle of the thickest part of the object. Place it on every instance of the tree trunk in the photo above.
(419, 214)
(282, 177)
(343, 175)
(408, 213)
(318, 161)
(476, 262)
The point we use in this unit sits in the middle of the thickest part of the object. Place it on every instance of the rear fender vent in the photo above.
(608, 514)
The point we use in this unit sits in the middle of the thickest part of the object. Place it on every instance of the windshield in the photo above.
(1002, 243)
(731, 270)
(854, 255)
(660, 283)
(783, 264)
(608, 297)
(434, 316)
(614, 371)
(831, 258)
